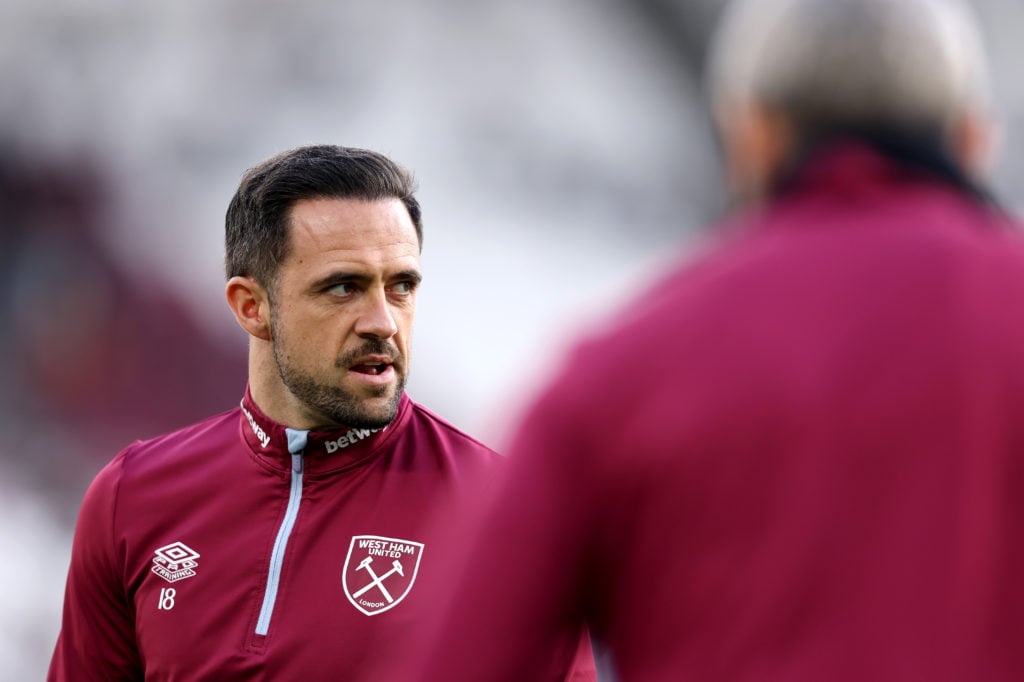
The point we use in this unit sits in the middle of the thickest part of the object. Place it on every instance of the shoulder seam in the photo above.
(123, 457)
(448, 426)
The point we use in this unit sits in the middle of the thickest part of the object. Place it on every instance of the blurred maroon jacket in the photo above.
(800, 458)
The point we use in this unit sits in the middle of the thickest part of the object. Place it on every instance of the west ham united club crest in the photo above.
(175, 562)
(379, 572)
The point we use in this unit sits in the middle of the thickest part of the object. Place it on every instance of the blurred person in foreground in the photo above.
(282, 540)
(800, 457)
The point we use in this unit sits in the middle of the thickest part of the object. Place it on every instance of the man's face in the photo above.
(342, 310)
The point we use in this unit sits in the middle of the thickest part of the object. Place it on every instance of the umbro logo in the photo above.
(175, 562)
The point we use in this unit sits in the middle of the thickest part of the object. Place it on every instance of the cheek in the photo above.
(303, 332)
(404, 322)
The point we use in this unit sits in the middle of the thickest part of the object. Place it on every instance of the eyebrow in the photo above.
(413, 276)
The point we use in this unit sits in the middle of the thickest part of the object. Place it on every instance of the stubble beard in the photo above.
(336, 405)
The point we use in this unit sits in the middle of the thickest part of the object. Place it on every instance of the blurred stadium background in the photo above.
(562, 151)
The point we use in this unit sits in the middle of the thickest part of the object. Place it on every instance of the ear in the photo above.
(249, 302)
(975, 144)
(755, 143)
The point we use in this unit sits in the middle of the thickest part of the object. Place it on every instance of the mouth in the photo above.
(374, 370)
(371, 368)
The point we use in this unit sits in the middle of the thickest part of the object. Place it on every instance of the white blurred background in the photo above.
(562, 151)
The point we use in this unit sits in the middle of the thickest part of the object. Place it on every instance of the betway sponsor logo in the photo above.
(262, 435)
(352, 437)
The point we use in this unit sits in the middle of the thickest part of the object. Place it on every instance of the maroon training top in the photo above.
(799, 458)
(237, 549)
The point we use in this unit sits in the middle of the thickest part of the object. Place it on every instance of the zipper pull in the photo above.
(296, 446)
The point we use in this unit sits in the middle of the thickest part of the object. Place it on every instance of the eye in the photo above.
(403, 288)
(342, 289)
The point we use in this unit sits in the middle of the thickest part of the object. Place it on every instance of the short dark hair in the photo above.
(257, 220)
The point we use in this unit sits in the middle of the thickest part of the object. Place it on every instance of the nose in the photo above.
(375, 318)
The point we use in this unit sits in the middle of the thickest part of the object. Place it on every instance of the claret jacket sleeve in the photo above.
(97, 638)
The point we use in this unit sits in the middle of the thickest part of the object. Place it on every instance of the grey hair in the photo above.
(851, 63)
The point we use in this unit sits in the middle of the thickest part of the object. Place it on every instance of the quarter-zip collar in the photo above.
(325, 451)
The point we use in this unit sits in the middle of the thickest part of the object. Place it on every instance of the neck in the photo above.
(270, 394)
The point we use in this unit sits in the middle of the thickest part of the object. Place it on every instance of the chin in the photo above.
(377, 416)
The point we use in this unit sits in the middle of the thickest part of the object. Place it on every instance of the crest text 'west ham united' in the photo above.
(379, 571)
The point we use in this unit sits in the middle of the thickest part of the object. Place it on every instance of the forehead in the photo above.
(351, 233)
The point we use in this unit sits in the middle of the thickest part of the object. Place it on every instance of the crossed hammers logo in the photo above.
(378, 581)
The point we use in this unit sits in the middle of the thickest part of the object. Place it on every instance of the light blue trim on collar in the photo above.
(296, 440)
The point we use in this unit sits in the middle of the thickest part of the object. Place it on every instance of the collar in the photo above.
(857, 164)
(325, 451)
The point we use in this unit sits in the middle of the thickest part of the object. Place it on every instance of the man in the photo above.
(802, 456)
(284, 540)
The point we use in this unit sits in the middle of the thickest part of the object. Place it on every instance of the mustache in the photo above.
(371, 347)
